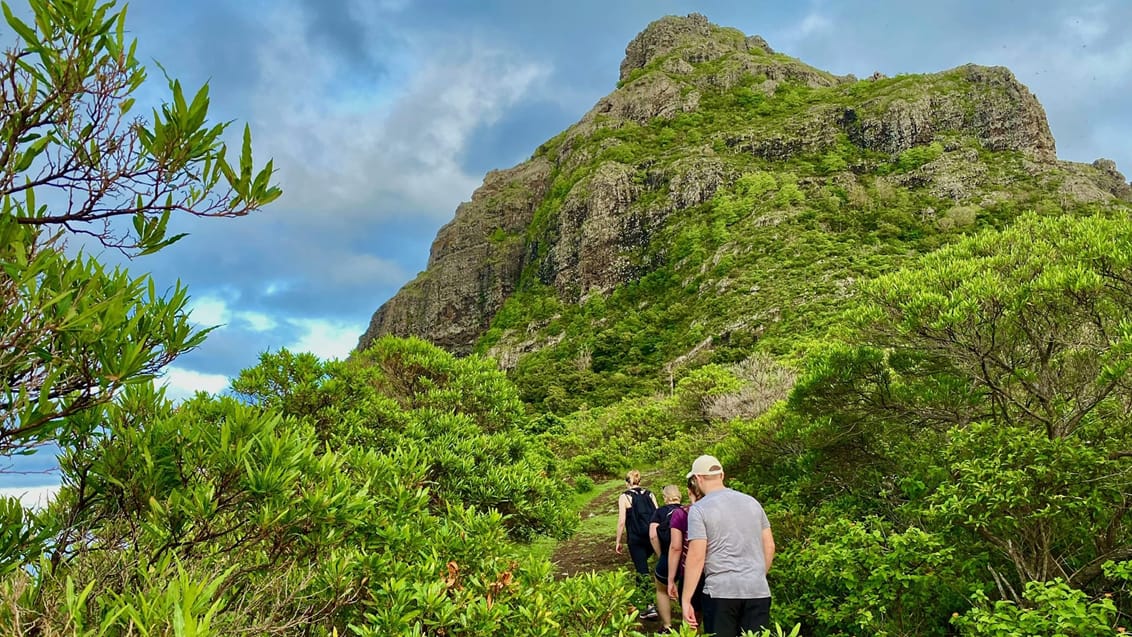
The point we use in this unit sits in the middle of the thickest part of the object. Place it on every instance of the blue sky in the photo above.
(383, 115)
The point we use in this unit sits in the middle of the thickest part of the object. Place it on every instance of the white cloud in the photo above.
(183, 383)
(326, 339)
(387, 147)
(31, 497)
(257, 321)
(811, 25)
(208, 311)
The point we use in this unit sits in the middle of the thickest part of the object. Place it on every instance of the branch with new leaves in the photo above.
(73, 158)
(68, 127)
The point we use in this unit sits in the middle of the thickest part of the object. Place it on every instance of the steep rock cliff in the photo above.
(473, 266)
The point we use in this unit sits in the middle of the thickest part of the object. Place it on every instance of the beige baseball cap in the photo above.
(706, 466)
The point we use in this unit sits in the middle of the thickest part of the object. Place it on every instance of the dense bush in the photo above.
(217, 517)
(868, 578)
(973, 424)
(461, 414)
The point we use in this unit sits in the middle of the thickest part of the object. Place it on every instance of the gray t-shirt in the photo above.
(732, 523)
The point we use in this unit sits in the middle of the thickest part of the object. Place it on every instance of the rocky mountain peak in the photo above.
(661, 37)
(698, 109)
(687, 41)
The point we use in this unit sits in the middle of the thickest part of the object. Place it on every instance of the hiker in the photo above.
(634, 510)
(731, 546)
(678, 552)
(660, 536)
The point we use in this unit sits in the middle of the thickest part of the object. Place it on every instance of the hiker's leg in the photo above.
(756, 614)
(663, 604)
(640, 553)
(726, 616)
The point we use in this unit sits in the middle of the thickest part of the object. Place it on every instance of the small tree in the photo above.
(73, 333)
(1006, 358)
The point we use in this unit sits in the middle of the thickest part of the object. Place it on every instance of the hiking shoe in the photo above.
(650, 613)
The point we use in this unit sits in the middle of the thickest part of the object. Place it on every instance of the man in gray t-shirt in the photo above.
(731, 545)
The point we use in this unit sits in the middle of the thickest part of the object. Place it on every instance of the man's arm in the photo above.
(768, 547)
(693, 568)
(654, 538)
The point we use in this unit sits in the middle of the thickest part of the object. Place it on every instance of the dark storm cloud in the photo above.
(338, 26)
(212, 42)
(232, 348)
(515, 138)
(265, 265)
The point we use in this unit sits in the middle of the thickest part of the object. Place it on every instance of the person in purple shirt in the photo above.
(660, 534)
(678, 551)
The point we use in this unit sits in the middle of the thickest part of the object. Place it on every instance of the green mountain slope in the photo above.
(724, 200)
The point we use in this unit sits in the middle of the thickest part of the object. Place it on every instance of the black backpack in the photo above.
(640, 512)
(663, 527)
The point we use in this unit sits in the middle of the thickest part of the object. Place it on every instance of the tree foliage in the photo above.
(216, 517)
(461, 414)
(73, 158)
(982, 397)
(67, 92)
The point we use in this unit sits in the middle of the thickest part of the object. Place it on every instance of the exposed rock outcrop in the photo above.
(474, 264)
(663, 36)
(695, 179)
(954, 175)
(654, 95)
(986, 102)
(1113, 179)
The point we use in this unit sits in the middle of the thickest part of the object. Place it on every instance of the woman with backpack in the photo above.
(660, 535)
(678, 552)
(634, 511)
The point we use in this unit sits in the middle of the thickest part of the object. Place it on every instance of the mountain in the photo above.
(724, 200)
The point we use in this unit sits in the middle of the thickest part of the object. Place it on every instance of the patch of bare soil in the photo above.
(587, 552)
(584, 553)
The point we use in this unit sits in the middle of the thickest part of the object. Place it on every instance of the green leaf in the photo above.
(23, 30)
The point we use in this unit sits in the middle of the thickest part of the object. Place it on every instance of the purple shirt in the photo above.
(679, 520)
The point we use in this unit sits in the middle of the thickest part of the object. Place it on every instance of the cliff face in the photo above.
(474, 264)
(697, 107)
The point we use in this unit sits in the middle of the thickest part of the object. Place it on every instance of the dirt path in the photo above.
(588, 551)
(591, 549)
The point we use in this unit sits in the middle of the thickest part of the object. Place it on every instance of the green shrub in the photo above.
(918, 156)
(216, 516)
(583, 484)
(462, 414)
(867, 578)
(1050, 608)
